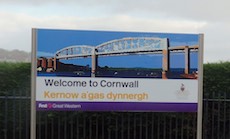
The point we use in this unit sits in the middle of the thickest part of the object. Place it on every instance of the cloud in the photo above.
(16, 28)
(151, 16)
(204, 10)
(216, 42)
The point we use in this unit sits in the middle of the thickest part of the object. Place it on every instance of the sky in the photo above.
(210, 17)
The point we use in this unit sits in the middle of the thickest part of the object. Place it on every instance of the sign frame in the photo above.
(34, 75)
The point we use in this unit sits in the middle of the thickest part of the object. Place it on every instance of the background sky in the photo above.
(210, 17)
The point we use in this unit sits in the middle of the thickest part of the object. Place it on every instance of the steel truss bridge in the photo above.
(126, 46)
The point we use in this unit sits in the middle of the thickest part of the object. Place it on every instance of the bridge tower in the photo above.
(187, 60)
(165, 61)
(94, 63)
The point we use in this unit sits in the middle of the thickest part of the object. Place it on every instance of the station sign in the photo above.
(79, 70)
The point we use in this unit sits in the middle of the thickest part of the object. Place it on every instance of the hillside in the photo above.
(14, 56)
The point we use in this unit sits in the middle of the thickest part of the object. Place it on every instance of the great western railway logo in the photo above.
(183, 92)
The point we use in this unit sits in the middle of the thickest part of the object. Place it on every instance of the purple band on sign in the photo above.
(116, 106)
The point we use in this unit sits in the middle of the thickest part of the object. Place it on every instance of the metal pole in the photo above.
(200, 88)
(33, 86)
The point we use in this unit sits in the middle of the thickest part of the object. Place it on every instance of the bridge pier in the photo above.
(187, 60)
(165, 63)
(94, 63)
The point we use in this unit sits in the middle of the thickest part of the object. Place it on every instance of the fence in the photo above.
(15, 121)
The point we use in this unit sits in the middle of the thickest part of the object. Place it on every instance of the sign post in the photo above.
(200, 88)
(33, 86)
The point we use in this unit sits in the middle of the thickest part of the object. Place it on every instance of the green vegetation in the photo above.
(14, 76)
(216, 78)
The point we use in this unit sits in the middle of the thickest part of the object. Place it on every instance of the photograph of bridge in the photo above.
(117, 54)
